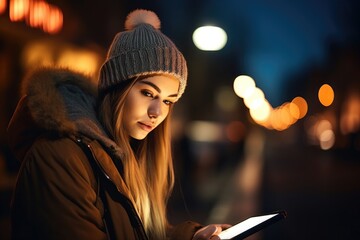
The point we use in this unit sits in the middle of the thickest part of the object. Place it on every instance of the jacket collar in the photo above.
(60, 102)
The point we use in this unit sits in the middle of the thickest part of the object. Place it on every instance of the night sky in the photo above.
(275, 39)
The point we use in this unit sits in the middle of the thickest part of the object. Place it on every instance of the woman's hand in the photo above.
(210, 232)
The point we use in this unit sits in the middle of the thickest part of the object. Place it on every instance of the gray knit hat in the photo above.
(140, 50)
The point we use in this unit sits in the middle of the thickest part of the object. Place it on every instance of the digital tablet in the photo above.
(251, 225)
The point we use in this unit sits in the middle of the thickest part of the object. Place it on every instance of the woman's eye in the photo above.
(147, 93)
(167, 102)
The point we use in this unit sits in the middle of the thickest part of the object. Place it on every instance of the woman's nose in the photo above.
(154, 110)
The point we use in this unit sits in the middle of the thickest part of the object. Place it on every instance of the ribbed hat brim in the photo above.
(143, 62)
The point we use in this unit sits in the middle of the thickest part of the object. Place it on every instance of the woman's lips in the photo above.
(146, 126)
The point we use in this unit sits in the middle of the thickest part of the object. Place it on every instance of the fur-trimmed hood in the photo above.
(58, 102)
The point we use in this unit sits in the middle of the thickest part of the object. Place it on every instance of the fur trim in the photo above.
(45, 102)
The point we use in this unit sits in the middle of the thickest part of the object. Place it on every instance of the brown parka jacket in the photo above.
(69, 185)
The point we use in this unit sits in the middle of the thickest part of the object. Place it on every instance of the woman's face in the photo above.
(148, 103)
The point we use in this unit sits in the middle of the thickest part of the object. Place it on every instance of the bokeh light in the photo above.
(3, 6)
(204, 131)
(83, 61)
(302, 106)
(350, 116)
(255, 99)
(54, 54)
(326, 95)
(36, 14)
(322, 126)
(244, 86)
(287, 113)
(262, 112)
(327, 139)
(54, 21)
(18, 9)
(209, 38)
(294, 110)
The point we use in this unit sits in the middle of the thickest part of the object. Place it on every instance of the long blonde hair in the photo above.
(147, 171)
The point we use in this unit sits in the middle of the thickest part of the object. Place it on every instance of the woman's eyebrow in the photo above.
(156, 87)
(152, 85)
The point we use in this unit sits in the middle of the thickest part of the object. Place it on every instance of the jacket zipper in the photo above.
(127, 201)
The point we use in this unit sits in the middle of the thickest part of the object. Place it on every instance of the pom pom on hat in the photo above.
(141, 50)
(141, 16)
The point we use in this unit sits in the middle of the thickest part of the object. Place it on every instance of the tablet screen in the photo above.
(250, 225)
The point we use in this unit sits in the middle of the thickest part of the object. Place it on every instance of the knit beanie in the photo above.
(141, 49)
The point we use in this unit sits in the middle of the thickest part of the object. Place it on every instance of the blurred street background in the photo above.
(293, 147)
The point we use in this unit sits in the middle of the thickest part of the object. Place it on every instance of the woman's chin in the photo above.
(139, 136)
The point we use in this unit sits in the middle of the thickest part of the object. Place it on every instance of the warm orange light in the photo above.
(18, 10)
(2, 6)
(276, 120)
(284, 116)
(54, 54)
(350, 114)
(326, 95)
(294, 110)
(288, 112)
(301, 105)
(54, 21)
(38, 13)
(37, 54)
(80, 61)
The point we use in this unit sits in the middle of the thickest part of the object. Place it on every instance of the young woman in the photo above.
(96, 159)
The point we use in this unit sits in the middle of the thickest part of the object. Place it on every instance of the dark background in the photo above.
(290, 48)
